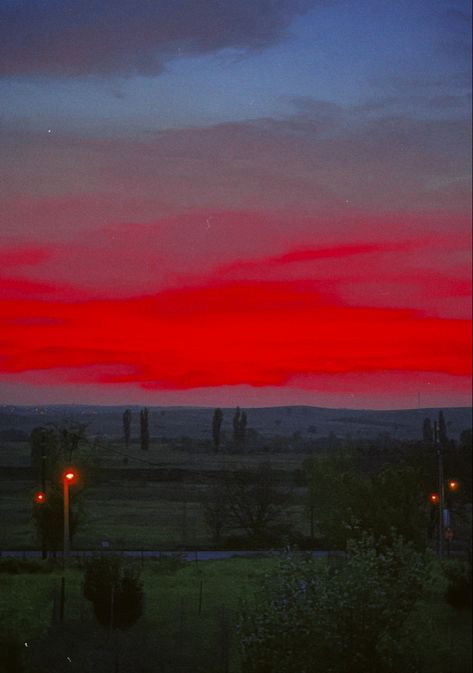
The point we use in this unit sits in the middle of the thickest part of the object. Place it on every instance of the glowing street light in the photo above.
(434, 498)
(69, 477)
(453, 485)
(40, 497)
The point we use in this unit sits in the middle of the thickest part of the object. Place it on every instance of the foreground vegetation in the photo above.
(387, 606)
(191, 617)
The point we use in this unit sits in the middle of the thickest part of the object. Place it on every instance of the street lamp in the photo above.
(40, 497)
(69, 477)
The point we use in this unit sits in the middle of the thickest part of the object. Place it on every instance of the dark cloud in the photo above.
(81, 37)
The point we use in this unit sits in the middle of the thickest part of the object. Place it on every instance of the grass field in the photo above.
(189, 621)
(138, 513)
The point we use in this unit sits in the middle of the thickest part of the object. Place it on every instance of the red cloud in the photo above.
(254, 333)
(23, 256)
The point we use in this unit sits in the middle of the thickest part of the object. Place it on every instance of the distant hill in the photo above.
(195, 422)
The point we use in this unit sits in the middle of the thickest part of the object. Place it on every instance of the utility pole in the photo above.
(438, 447)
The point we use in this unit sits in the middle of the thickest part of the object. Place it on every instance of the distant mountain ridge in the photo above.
(196, 422)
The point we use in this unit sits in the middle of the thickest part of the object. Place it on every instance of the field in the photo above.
(189, 621)
(133, 507)
(142, 500)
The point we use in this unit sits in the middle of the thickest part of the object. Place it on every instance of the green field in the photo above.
(139, 513)
(189, 622)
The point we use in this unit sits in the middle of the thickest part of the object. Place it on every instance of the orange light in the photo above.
(40, 497)
(70, 475)
(434, 498)
(453, 485)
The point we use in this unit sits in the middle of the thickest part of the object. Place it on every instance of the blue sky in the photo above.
(343, 52)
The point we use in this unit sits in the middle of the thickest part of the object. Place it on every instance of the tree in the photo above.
(48, 518)
(239, 425)
(216, 425)
(442, 426)
(345, 500)
(51, 450)
(127, 427)
(255, 502)
(216, 511)
(349, 618)
(144, 428)
(115, 591)
(427, 432)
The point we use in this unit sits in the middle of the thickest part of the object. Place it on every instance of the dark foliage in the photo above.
(459, 590)
(115, 591)
(216, 425)
(11, 652)
(144, 429)
(255, 503)
(127, 427)
(16, 566)
(48, 518)
(427, 431)
(240, 422)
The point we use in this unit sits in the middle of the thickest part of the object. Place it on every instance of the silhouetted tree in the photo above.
(127, 427)
(45, 453)
(144, 427)
(48, 518)
(255, 502)
(346, 500)
(443, 439)
(427, 431)
(52, 449)
(115, 591)
(216, 511)
(239, 425)
(216, 425)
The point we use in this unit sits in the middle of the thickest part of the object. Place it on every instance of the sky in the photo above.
(222, 202)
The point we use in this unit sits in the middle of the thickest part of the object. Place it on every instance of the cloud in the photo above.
(82, 37)
(317, 159)
(357, 307)
(253, 333)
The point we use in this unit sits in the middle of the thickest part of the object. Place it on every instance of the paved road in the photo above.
(193, 555)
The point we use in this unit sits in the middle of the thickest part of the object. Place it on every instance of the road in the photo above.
(188, 555)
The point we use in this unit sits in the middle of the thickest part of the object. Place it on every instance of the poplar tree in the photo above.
(216, 425)
(144, 427)
(127, 427)
(239, 425)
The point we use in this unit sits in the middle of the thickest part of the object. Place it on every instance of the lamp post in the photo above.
(444, 530)
(69, 477)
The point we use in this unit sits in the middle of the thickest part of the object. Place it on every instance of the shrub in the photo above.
(115, 591)
(11, 652)
(459, 589)
(16, 566)
(348, 618)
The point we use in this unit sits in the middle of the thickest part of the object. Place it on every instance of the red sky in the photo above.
(238, 221)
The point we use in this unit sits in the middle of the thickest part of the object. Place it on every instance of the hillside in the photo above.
(195, 422)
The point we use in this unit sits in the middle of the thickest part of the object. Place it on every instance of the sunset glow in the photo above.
(218, 213)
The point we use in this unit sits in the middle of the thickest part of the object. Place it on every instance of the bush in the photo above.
(11, 652)
(115, 591)
(16, 566)
(459, 589)
(347, 618)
